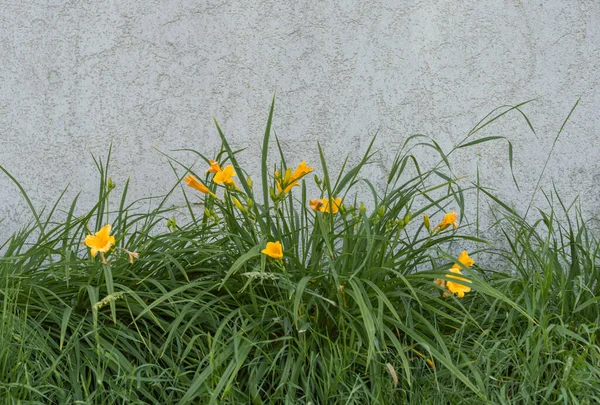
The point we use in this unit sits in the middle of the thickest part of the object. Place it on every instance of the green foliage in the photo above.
(351, 314)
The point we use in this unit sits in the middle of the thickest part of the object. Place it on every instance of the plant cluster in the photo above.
(291, 290)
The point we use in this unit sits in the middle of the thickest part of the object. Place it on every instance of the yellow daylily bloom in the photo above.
(460, 288)
(315, 204)
(301, 170)
(225, 176)
(214, 167)
(290, 179)
(440, 282)
(464, 259)
(193, 182)
(100, 242)
(274, 250)
(330, 206)
(450, 218)
(285, 183)
(457, 288)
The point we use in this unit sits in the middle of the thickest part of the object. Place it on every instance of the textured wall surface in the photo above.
(77, 74)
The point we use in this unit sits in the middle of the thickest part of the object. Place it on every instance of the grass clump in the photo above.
(293, 291)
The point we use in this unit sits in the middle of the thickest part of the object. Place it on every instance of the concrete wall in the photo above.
(77, 74)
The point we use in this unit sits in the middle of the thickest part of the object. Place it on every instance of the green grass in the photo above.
(351, 315)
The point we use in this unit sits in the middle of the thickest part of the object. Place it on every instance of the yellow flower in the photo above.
(458, 288)
(440, 282)
(289, 180)
(301, 170)
(330, 206)
(194, 183)
(274, 250)
(100, 242)
(225, 176)
(214, 167)
(315, 204)
(465, 260)
(286, 183)
(450, 218)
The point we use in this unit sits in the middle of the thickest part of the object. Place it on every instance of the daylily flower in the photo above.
(450, 218)
(464, 259)
(285, 183)
(289, 179)
(331, 206)
(100, 242)
(458, 288)
(225, 176)
(274, 250)
(193, 182)
(315, 204)
(301, 170)
(214, 167)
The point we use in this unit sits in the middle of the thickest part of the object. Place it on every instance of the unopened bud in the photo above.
(426, 222)
(238, 204)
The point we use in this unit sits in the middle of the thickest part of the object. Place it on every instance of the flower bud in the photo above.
(238, 204)
(426, 222)
(172, 224)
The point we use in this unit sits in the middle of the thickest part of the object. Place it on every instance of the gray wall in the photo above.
(77, 74)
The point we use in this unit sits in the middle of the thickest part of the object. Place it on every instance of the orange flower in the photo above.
(274, 250)
(289, 179)
(285, 183)
(464, 259)
(450, 218)
(331, 206)
(194, 183)
(225, 176)
(315, 204)
(101, 241)
(301, 170)
(214, 167)
(440, 282)
(458, 288)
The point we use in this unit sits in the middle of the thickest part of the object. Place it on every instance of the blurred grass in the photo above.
(351, 314)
